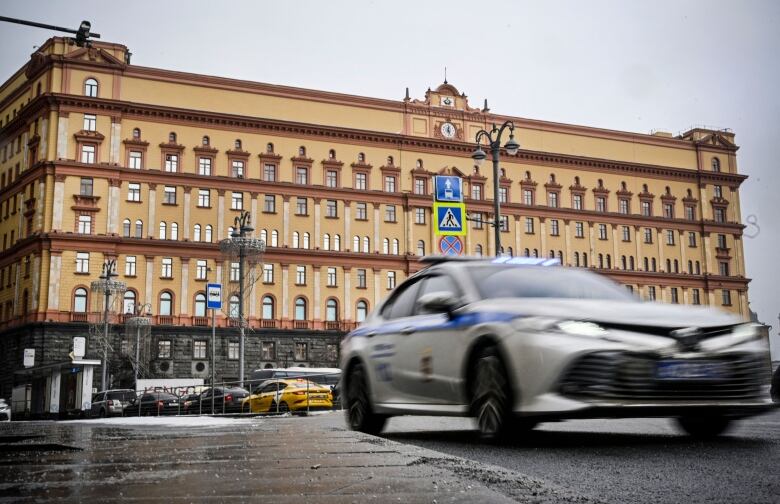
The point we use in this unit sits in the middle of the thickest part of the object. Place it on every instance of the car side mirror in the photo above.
(437, 302)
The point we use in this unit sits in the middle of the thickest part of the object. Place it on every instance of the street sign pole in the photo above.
(213, 302)
(449, 214)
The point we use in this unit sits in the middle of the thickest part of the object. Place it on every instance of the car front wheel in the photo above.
(704, 427)
(491, 395)
(360, 415)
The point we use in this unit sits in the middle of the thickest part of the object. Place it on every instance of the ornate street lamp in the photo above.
(108, 287)
(494, 142)
(139, 318)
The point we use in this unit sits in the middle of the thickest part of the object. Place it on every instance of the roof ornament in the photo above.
(486, 108)
(445, 75)
(407, 97)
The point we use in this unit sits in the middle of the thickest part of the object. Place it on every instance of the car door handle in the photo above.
(370, 334)
(407, 330)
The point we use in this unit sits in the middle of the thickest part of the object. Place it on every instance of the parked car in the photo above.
(226, 400)
(514, 344)
(294, 395)
(323, 376)
(111, 402)
(154, 403)
(5, 411)
(187, 402)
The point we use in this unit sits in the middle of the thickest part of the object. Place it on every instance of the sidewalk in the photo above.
(279, 459)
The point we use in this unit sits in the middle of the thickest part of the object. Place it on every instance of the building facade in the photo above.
(101, 159)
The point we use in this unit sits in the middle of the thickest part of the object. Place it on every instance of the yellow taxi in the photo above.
(294, 395)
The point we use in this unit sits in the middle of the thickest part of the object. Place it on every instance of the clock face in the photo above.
(448, 130)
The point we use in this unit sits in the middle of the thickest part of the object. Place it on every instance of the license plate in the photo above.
(317, 396)
(690, 370)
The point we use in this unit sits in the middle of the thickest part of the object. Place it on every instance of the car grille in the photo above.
(625, 376)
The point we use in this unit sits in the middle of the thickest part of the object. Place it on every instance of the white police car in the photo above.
(515, 344)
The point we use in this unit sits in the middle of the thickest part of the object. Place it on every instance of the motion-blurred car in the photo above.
(226, 400)
(514, 343)
(775, 391)
(111, 402)
(154, 403)
(290, 395)
(5, 411)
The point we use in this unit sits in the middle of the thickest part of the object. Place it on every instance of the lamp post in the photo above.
(141, 317)
(494, 142)
(107, 286)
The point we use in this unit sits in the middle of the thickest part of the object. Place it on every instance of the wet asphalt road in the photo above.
(636, 460)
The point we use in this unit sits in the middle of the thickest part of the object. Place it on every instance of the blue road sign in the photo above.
(451, 245)
(450, 218)
(449, 188)
(214, 296)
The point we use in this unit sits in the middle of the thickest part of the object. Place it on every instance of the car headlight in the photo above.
(581, 328)
(740, 334)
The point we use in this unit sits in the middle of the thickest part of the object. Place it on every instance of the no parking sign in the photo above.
(451, 245)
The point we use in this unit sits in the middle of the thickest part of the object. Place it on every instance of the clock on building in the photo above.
(448, 130)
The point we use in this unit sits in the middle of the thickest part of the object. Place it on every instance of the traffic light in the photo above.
(82, 35)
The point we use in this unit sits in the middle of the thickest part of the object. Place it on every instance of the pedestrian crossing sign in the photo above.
(449, 219)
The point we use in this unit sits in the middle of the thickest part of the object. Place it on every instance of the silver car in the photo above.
(514, 344)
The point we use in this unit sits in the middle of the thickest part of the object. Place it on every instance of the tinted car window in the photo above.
(497, 281)
(120, 395)
(438, 283)
(402, 304)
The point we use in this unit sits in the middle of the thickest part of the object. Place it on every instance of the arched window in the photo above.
(128, 303)
(419, 164)
(576, 181)
(207, 237)
(91, 88)
(395, 246)
(136, 133)
(560, 256)
(80, 300)
(690, 267)
(528, 175)
(163, 230)
(552, 254)
(296, 239)
(233, 307)
(200, 304)
(172, 137)
(526, 252)
(274, 238)
(676, 266)
(361, 157)
(337, 243)
(300, 309)
(237, 144)
(264, 236)
(577, 259)
(698, 268)
(326, 242)
(631, 263)
(166, 303)
(601, 183)
(420, 247)
(306, 238)
(331, 154)
(623, 186)
(386, 246)
(552, 178)
(366, 245)
(174, 231)
(601, 260)
(196, 233)
(126, 225)
(585, 259)
(668, 191)
(668, 265)
(644, 188)
(390, 161)
(478, 250)
(654, 264)
(647, 264)
(206, 140)
(361, 311)
(689, 193)
(715, 164)
(331, 310)
(536, 253)
(511, 252)
(139, 229)
(301, 151)
(356, 244)
(623, 263)
(268, 308)
(269, 148)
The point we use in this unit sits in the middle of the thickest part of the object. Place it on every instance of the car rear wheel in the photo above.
(704, 427)
(102, 413)
(284, 407)
(491, 395)
(360, 415)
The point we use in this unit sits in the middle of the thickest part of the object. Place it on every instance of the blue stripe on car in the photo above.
(434, 322)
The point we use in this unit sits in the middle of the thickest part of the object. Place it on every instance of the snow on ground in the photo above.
(177, 421)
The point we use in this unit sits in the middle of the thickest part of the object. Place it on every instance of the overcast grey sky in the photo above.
(631, 66)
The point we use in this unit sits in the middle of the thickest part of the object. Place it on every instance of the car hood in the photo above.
(630, 313)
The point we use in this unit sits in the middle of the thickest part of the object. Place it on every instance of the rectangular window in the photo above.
(648, 235)
(673, 292)
(90, 122)
(504, 223)
(390, 280)
(690, 213)
(300, 275)
(623, 206)
(691, 239)
(169, 195)
(269, 350)
(646, 209)
(668, 211)
(579, 230)
(331, 280)
(601, 204)
(301, 351)
(136, 160)
(718, 191)
(476, 191)
(167, 268)
(204, 166)
(602, 231)
(331, 209)
(301, 206)
(389, 184)
(237, 169)
(199, 349)
(130, 266)
(361, 279)
(419, 185)
(626, 234)
(301, 175)
(720, 215)
(204, 198)
(237, 201)
(651, 293)
(361, 212)
(268, 273)
(331, 178)
(88, 154)
(235, 271)
(726, 297)
(85, 187)
(577, 201)
(554, 230)
(82, 262)
(232, 350)
(479, 220)
(164, 349)
(552, 199)
(529, 225)
(85, 224)
(201, 268)
(269, 203)
(361, 181)
(502, 195)
(723, 268)
(528, 197)
(171, 162)
(269, 172)
(721, 241)
(419, 216)
(670, 237)
(390, 213)
(695, 297)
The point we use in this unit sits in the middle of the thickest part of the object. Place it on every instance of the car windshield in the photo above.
(121, 395)
(500, 281)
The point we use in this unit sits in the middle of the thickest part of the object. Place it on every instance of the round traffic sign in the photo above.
(451, 245)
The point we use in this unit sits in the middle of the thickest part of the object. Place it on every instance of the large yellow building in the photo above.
(101, 159)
